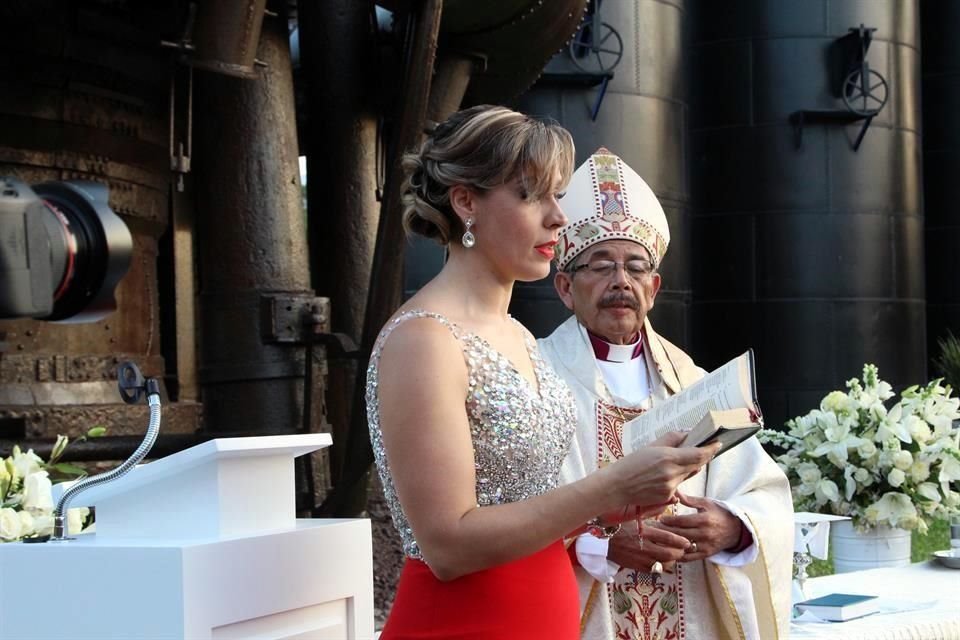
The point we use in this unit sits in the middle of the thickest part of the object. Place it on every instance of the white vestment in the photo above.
(712, 600)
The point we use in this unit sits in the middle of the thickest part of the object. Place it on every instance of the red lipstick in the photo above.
(546, 249)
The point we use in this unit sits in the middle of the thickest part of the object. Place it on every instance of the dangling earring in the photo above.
(468, 239)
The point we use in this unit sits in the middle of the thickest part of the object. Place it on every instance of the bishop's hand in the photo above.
(710, 529)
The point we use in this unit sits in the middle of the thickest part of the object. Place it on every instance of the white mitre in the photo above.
(607, 200)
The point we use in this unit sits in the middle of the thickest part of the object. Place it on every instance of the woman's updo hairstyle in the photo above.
(481, 147)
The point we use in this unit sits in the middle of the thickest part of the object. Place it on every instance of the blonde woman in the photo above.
(469, 426)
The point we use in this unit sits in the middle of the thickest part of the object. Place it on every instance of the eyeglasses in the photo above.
(637, 269)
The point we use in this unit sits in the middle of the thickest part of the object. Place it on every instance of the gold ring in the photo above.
(657, 567)
(693, 547)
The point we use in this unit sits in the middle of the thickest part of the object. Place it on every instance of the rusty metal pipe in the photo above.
(450, 81)
(252, 243)
(386, 282)
(226, 35)
(337, 43)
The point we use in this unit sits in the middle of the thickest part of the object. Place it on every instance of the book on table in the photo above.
(840, 607)
(720, 406)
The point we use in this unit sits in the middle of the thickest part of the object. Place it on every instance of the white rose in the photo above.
(951, 498)
(861, 475)
(26, 523)
(75, 518)
(896, 477)
(43, 523)
(866, 449)
(808, 472)
(37, 491)
(10, 525)
(919, 471)
(835, 401)
(902, 460)
(885, 459)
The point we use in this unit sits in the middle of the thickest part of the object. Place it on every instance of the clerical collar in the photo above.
(608, 352)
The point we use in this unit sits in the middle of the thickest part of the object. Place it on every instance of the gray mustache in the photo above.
(619, 300)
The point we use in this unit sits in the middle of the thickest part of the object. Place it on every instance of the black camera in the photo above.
(62, 251)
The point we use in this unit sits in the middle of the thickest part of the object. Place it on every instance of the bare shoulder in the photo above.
(425, 334)
(524, 331)
(419, 349)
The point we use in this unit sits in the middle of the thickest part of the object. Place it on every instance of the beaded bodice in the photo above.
(520, 434)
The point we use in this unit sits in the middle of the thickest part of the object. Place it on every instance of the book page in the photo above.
(728, 387)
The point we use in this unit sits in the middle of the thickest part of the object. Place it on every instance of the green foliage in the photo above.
(948, 362)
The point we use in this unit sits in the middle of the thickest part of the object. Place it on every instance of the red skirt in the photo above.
(531, 598)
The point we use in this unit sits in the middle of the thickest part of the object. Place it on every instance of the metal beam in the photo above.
(386, 282)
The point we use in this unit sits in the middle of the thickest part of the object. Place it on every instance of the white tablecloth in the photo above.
(931, 590)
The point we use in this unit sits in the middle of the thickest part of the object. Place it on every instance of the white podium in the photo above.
(202, 544)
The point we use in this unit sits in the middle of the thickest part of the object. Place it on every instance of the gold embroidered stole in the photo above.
(643, 606)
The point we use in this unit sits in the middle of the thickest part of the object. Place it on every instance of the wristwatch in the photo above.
(598, 530)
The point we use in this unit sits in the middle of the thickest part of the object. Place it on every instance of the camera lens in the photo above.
(90, 249)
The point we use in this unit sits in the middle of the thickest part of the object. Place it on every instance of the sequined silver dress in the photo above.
(520, 434)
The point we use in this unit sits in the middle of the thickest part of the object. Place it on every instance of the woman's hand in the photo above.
(672, 439)
(650, 476)
(636, 550)
(631, 512)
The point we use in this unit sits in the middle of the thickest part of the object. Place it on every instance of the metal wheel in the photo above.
(596, 50)
(865, 92)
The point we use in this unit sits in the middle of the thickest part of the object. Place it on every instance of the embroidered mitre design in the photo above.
(607, 200)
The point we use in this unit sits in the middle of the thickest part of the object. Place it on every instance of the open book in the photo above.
(723, 404)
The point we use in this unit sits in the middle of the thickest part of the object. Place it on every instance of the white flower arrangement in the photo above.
(26, 484)
(853, 457)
